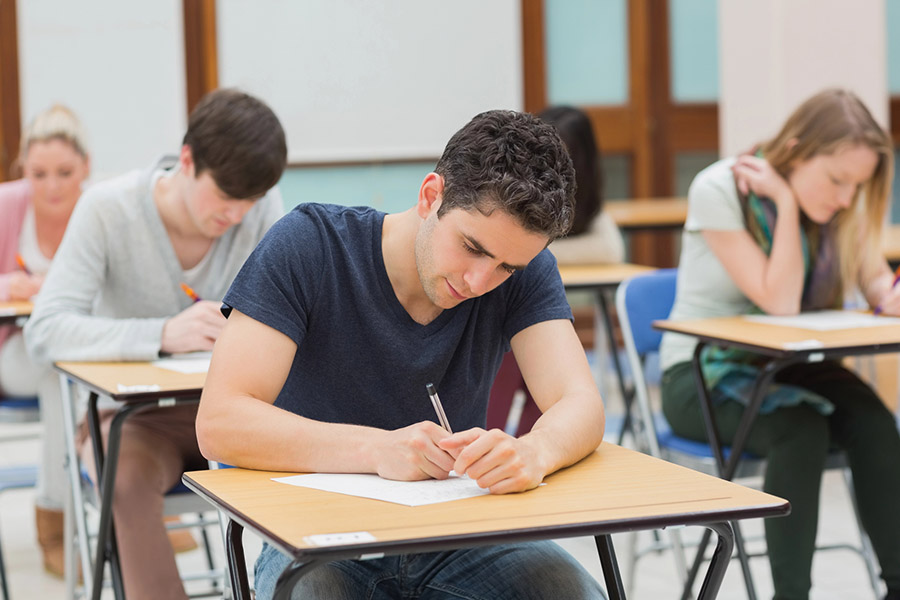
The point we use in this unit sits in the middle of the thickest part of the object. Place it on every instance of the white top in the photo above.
(29, 248)
(601, 243)
(704, 287)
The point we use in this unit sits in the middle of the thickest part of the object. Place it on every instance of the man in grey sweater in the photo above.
(114, 293)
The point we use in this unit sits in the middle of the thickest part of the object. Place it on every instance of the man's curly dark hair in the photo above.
(512, 161)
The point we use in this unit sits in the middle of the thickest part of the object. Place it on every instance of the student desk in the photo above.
(603, 279)
(612, 490)
(783, 346)
(14, 311)
(647, 213)
(107, 379)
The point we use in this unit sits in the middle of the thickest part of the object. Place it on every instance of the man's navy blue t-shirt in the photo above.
(318, 277)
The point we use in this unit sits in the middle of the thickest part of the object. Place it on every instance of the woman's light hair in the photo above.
(831, 121)
(55, 123)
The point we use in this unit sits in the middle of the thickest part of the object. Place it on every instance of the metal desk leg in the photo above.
(237, 566)
(106, 474)
(611, 575)
(727, 468)
(719, 562)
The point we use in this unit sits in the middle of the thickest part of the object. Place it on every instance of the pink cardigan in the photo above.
(14, 199)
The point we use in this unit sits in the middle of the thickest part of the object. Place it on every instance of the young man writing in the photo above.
(114, 293)
(342, 316)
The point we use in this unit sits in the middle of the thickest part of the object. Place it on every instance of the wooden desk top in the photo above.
(104, 378)
(12, 310)
(600, 275)
(648, 213)
(612, 490)
(777, 340)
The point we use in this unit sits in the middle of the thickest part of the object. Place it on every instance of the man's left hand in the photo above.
(495, 460)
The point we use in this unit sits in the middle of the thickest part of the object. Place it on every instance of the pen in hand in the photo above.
(438, 407)
(190, 292)
(21, 262)
(878, 308)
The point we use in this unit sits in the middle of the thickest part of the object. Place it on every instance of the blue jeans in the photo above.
(529, 571)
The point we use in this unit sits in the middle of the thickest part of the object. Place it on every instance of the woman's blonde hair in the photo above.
(830, 121)
(55, 123)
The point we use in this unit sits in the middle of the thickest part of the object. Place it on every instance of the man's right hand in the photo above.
(195, 328)
(412, 453)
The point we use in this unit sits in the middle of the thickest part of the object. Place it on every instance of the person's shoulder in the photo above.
(331, 216)
(119, 190)
(717, 176)
(14, 195)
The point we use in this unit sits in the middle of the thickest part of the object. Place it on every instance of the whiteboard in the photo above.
(119, 66)
(358, 80)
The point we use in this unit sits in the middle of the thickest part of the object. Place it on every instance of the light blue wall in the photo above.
(587, 51)
(694, 50)
(893, 45)
(387, 187)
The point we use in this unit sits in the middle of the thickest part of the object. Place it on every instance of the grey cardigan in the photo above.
(115, 278)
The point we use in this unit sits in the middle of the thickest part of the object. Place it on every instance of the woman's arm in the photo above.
(774, 283)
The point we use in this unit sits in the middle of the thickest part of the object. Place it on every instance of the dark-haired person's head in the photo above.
(514, 162)
(239, 141)
(577, 134)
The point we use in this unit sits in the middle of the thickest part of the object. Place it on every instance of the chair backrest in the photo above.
(646, 298)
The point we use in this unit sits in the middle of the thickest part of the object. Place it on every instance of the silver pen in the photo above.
(438, 407)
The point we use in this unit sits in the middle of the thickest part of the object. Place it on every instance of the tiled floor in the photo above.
(838, 575)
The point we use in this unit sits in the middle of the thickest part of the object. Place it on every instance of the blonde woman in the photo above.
(792, 226)
(34, 212)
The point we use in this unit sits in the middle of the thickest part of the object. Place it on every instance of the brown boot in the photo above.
(180, 539)
(50, 538)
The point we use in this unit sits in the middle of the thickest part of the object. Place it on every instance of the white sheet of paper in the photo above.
(410, 493)
(190, 362)
(826, 320)
(6, 312)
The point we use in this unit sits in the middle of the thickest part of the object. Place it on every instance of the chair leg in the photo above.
(3, 586)
(865, 550)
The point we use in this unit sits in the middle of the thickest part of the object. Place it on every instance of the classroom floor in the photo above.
(838, 575)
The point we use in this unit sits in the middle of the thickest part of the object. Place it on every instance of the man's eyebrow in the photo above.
(477, 246)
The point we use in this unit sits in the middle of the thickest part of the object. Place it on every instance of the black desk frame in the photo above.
(778, 360)
(306, 560)
(106, 464)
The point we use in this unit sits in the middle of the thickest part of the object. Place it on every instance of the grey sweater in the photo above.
(115, 279)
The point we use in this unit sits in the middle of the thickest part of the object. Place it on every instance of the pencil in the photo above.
(438, 407)
(190, 293)
(21, 262)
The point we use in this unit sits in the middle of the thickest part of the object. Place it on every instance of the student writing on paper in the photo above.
(34, 213)
(792, 226)
(114, 293)
(340, 318)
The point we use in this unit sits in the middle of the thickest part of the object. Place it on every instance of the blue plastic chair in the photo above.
(647, 298)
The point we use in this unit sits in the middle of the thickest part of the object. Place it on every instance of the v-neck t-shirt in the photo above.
(319, 278)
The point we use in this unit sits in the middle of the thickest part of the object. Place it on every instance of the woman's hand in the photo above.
(23, 286)
(755, 174)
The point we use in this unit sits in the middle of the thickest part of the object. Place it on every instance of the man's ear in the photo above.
(430, 194)
(186, 160)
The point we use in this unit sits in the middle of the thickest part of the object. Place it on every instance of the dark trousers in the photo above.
(795, 442)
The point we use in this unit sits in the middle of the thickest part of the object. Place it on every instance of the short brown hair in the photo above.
(239, 140)
(512, 161)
